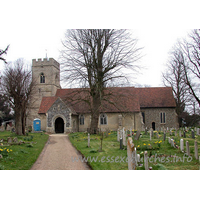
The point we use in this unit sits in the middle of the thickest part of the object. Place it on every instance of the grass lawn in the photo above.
(161, 154)
(23, 156)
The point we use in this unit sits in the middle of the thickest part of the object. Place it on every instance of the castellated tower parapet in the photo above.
(45, 62)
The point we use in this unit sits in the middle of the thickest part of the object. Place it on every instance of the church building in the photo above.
(65, 110)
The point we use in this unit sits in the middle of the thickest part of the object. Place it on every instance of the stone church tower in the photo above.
(46, 74)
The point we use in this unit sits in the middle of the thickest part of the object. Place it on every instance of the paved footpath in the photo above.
(57, 155)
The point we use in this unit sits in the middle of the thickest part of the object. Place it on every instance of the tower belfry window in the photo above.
(42, 78)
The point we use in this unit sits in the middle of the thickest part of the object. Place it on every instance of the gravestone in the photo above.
(181, 145)
(121, 143)
(138, 157)
(135, 156)
(196, 150)
(2, 128)
(193, 135)
(187, 148)
(170, 132)
(15, 140)
(197, 131)
(130, 154)
(164, 136)
(137, 135)
(157, 135)
(8, 128)
(179, 133)
(152, 133)
(172, 142)
(124, 138)
(118, 135)
(88, 140)
(169, 140)
(131, 131)
(175, 133)
(184, 134)
(146, 160)
(9, 140)
(145, 131)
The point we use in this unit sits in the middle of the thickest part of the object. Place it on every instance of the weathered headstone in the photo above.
(145, 131)
(170, 132)
(9, 140)
(146, 160)
(184, 134)
(8, 128)
(196, 150)
(179, 133)
(130, 154)
(124, 138)
(197, 131)
(187, 148)
(88, 140)
(175, 133)
(15, 140)
(135, 156)
(164, 136)
(181, 145)
(157, 135)
(121, 143)
(150, 134)
(193, 135)
(172, 142)
(169, 140)
(138, 157)
(2, 128)
(137, 135)
(118, 135)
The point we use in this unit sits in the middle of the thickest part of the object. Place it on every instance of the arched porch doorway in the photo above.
(59, 125)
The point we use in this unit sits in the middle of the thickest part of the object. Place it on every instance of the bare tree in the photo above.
(17, 86)
(3, 52)
(191, 48)
(96, 59)
(174, 77)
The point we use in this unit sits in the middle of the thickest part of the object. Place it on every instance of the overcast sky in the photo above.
(33, 28)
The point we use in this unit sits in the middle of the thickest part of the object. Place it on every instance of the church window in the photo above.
(162, 118)
(82, 120)
(42, 78)
(103, 119)
(143, 117)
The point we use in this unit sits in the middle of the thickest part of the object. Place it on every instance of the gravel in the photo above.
(59, 154)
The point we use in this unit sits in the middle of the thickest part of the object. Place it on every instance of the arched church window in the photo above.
(82, 120)
(103, 119)
(42, 78)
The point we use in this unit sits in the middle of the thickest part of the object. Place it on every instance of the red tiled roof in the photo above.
(46, 103)
(156, 97)
(117, 99)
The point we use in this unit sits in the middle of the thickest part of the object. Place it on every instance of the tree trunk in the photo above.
(18, 122)
(95, 115)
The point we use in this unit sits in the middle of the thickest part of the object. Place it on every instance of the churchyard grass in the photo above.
(21, 156)
(161, 154)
